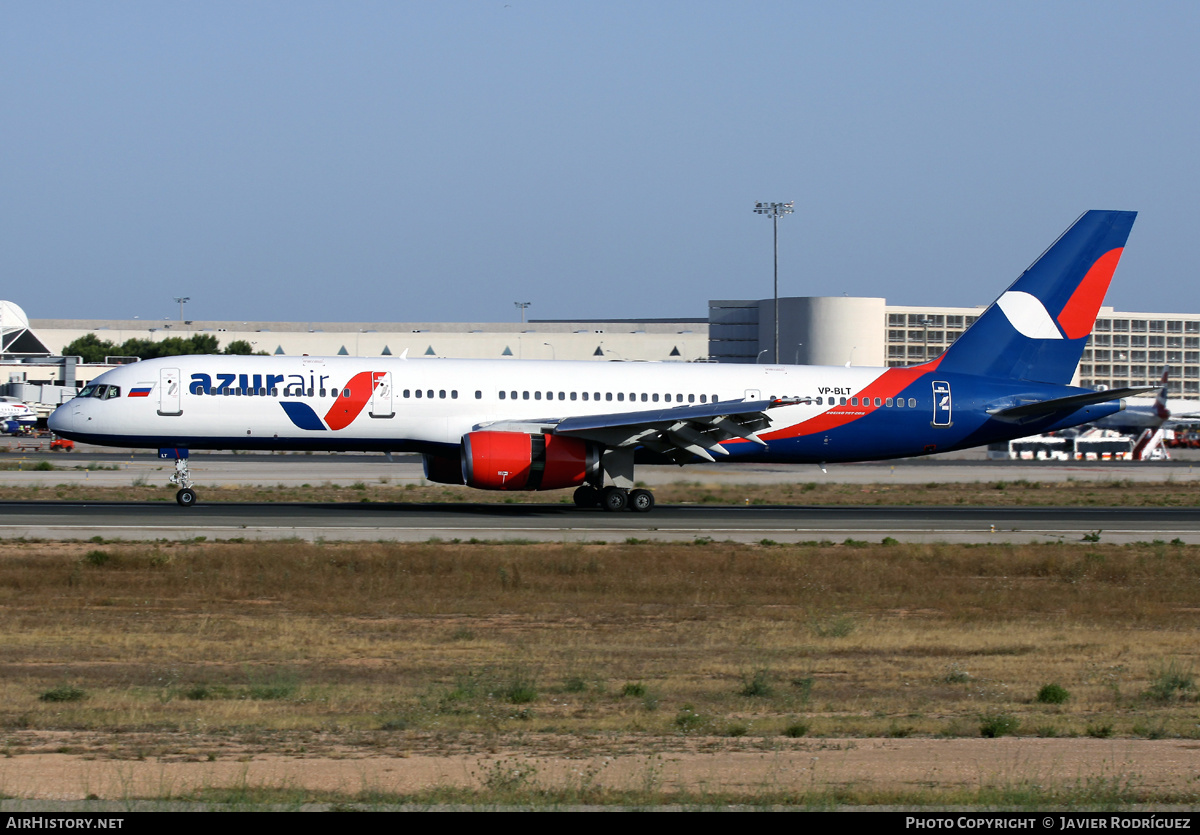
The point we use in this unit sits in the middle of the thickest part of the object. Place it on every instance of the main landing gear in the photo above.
(186, 497)
(617, 466)
(614, 499)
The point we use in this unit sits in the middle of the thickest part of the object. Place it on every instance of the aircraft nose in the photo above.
(61, 419)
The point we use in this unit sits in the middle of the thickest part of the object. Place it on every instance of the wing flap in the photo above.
(680, 433)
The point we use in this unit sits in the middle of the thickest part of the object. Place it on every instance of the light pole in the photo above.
(775, 211)
(925, 323)
(181, 301)
(553, 356)
(522, 306)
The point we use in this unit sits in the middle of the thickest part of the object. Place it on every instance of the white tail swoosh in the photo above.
(1028, 315)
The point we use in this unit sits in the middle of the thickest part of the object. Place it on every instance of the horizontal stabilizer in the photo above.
(1065, 404)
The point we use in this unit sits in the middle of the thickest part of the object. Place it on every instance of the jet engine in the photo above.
(520, 461)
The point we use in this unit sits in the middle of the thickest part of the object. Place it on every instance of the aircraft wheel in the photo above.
(586, 496)
(614, 499)
(186, 497)
(641, 501)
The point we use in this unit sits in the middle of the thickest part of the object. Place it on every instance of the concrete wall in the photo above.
(665, 341)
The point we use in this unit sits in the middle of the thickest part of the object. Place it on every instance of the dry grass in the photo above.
(1022, 493)
(543, 639)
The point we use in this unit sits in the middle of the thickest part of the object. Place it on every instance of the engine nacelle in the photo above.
(520, 461)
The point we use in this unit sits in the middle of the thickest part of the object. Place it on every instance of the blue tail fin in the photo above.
(1038, 328)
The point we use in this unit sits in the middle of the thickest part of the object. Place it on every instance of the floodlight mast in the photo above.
(775, 211)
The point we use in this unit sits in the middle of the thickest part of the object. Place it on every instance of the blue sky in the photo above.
(433, 161)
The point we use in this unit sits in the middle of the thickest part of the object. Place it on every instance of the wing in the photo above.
(679, 433)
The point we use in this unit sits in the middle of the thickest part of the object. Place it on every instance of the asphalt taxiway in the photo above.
(557, 523)
(560, 522)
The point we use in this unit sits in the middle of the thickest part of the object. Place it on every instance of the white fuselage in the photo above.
(246, 400)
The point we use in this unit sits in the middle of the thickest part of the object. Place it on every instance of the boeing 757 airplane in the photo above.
(538, 425)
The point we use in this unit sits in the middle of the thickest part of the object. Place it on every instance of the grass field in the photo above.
(119, 650)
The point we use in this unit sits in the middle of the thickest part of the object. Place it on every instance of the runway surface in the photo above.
(556, 523)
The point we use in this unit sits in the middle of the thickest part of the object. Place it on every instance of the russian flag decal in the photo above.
(141, 391)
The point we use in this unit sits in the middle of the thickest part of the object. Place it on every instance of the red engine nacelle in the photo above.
(518, 461)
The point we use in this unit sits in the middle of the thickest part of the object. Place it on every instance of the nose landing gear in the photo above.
(186, 497)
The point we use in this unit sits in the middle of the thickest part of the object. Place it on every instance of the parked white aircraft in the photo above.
(538, 425)
(1148, 417)
(15, 412)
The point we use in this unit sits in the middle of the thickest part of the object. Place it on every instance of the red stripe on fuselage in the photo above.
(888, 384)
(1079, 314)
(345, 409)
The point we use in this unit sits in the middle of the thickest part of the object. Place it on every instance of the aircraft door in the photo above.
(941, 404)
(381, 396)
(170, 403)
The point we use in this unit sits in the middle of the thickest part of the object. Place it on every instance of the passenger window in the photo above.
(537, 395)
(644, 397)
(585, 395)
(841, 401)
(620, 397)
(454, 394)
(274, 392)
(429, 394)
(442, 394)
(418, 393)
(704, 398)
(501, 395)
(877, 402)
(573, 395)
(899, 402)
(654, 398)
(407, 393)
(479, 395)
(524, 395)
(889, 402)
(912, 402)
(691, 398)
(310, 392)
(853, 401)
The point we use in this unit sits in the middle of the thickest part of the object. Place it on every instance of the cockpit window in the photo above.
(101, 392)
